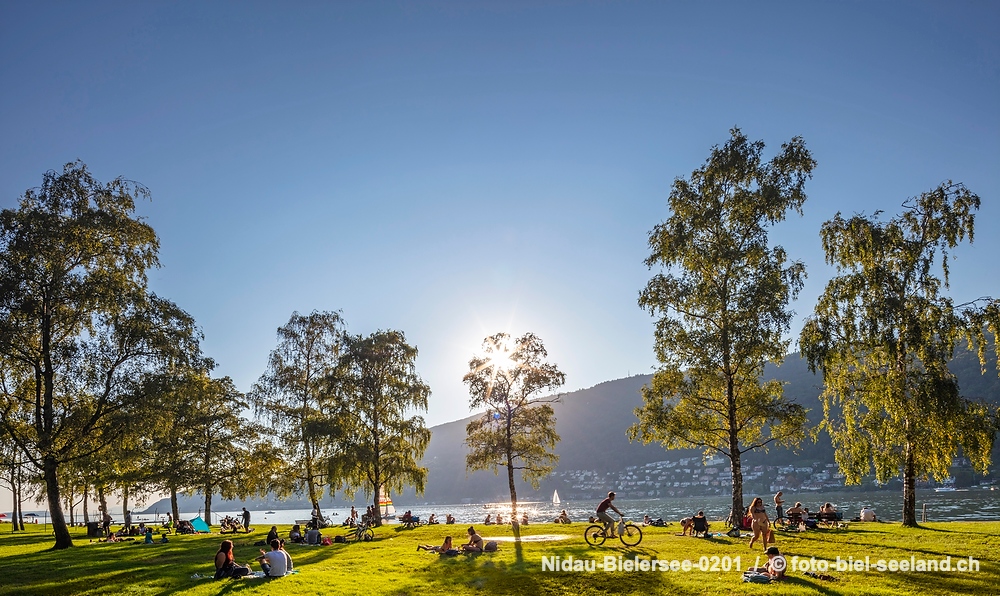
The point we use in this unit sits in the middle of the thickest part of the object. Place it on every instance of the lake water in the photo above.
(961, 505)
(972, 504)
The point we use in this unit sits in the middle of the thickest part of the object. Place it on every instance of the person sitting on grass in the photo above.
(489, 520)
(274, 563)
(295, 535)
(524, 519)
(225, 565)
(288, 557)
(148, 535)
(272, 535)
(775, 564)
(432, 520)
(563, 518)
(687, 524)
(475, 543)
(449, 519)
(313, 536)
(499, 519)
(437, 549)
(699, 523)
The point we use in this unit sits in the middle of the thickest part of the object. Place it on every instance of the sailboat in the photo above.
(385, 505)
(555, 497)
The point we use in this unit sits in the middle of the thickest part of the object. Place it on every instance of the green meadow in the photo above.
(392, 565)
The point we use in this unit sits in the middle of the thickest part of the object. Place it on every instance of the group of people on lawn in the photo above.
(274, 563)
(277, 562)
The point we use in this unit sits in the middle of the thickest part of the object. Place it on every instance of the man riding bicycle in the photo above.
(604, 516)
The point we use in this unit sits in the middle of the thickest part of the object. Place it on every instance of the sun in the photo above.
(501, 362)
(499, 359)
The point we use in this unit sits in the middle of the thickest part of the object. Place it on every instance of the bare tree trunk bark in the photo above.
(63, 539)
(124, 502)
(173, 504)
(15, 493)
(69, 505)
(909, 488)
(208, 505)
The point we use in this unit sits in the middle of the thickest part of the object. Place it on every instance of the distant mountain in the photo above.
(592, 424)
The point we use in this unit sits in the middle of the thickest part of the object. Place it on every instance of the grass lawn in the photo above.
(391, 564)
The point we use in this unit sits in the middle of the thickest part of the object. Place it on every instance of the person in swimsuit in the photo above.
(761, 525)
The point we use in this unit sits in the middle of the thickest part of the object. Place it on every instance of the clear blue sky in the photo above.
(453, 169)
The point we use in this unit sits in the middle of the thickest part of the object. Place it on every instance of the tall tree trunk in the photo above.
(86, 499)
(909, 488)
(173, 504)
(19, 520)
(124, 501)
(513, 489)
(736, 514)
(510, 465)
(49, 469)
(102, 500)
(378, 497)
(69, 505)
(15, 494)
(208, 505)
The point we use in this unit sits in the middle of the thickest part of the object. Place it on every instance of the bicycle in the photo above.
(362, 532)
(629, 533)
(791, 522)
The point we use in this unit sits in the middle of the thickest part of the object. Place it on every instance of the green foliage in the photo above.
(200, 441)
(515, 432)
(379, 443)
(78, 328)
(722, 305)
(883, 334)
(294, 399)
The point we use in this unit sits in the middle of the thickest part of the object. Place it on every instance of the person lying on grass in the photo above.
(437, 549)
(475, 543)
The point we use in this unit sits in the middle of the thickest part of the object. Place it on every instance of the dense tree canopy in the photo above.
(294, 399)
(381, 438)
(517, 431)
(78, 328)
(883, 333)
(722, 305)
